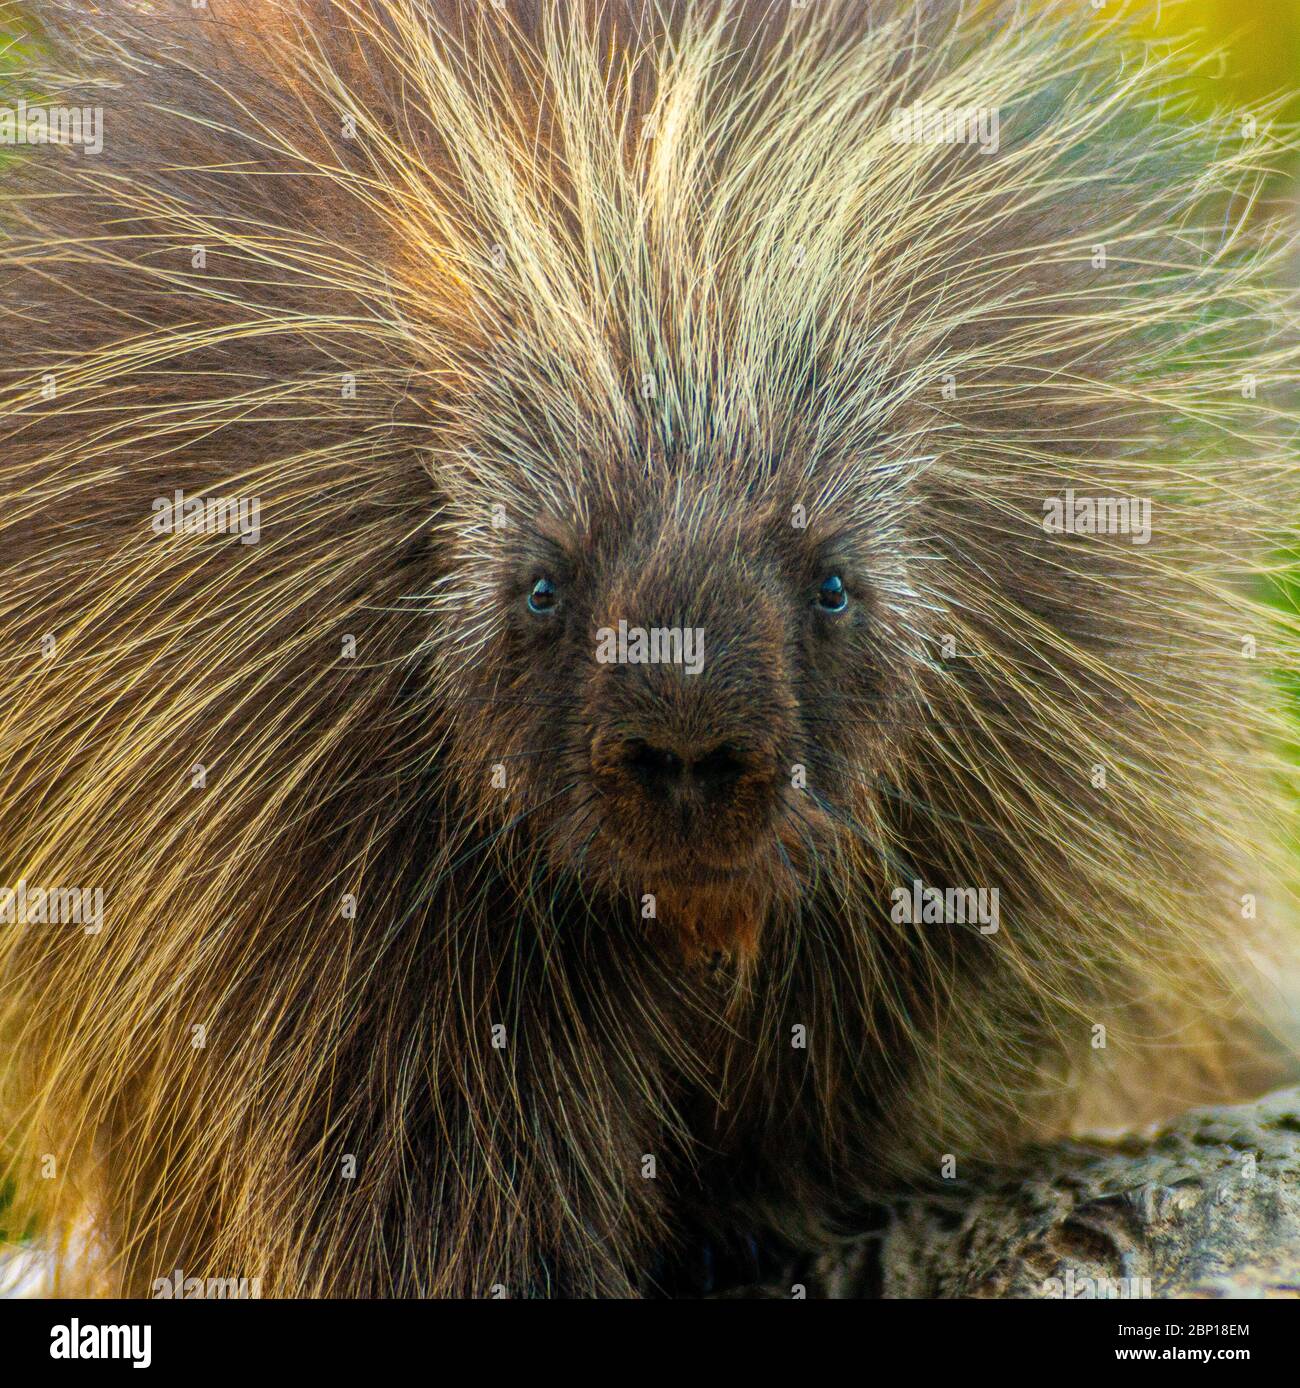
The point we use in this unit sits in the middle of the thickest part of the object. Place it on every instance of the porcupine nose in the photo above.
(672, 773)
(691, 705)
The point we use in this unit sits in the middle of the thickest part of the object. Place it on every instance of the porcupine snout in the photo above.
(692, 708)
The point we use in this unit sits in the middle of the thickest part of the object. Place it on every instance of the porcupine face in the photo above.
(656, 686)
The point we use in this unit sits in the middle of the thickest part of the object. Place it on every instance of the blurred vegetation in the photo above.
(1259, 39)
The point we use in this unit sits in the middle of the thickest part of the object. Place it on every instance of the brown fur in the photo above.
(720, 294)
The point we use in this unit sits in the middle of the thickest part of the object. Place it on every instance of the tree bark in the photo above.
(1209, 1206)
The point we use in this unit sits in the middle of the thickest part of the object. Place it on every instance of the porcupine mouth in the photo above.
(712, 864)
(682, 872)
(712, 910)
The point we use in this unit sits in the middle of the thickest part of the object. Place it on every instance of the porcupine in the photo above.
(441, 954)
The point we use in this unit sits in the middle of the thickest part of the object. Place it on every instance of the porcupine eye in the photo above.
(831, 596)
(543, 597)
